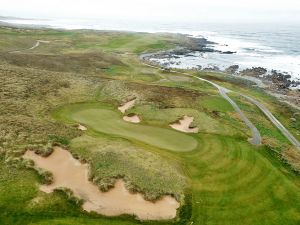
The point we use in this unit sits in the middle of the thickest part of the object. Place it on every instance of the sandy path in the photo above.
(70, 173)
(184, 125)
(132, 119)
(127, 106)
(37, 44)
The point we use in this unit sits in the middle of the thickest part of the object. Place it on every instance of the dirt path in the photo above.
(70, 173)
(256, 138)
(37, 44)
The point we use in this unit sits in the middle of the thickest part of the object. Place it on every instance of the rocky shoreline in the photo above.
(274, 82)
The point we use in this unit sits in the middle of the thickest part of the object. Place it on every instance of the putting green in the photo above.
(110, 122)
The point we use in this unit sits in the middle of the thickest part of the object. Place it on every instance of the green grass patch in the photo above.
(105, 120)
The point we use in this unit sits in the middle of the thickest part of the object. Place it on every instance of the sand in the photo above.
(132, 119)
(70, 173)
(81, 127)
(184, 125)
(127, 106)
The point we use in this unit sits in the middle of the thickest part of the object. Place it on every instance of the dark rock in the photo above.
(281, 80)
(254, 72)
(228, 52)
(232, 69)
(212, 68)
(181, 51)
(199, 67)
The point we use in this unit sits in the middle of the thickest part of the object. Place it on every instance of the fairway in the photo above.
(110, 122)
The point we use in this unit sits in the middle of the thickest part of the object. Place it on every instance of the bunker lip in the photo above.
(70, 173)
(132, 118)
(123, 108)
(183, 125)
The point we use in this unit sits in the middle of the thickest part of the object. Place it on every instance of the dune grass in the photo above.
(111, 158)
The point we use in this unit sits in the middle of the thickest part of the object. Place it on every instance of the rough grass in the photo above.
(280, 110)
(79, 63)
(143, 171)
(265, 127)
(292, 156)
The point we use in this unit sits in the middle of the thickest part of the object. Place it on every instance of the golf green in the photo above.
(110, 122)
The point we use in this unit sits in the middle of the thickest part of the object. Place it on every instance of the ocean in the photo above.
(272, 46)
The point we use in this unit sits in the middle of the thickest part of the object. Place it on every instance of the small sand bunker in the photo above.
(132, 118)
(127, 106)
(81, 127)
(184, 125)
(70, 173)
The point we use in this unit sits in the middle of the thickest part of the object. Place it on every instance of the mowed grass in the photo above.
(236, 183)
(105, 120)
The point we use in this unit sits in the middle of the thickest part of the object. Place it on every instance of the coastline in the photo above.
(276, 83)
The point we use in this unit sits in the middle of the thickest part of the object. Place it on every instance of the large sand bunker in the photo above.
(127, 106)
(184, 125)
(70, 173)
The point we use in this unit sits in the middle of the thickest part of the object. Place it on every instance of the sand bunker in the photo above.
(70, 173)
(184, 125)
(126, 106)
(132, 118)
(81, 127)
(129, 118)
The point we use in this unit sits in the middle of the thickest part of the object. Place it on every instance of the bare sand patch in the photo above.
(184, 125)
(81, 127)
(70, 173)
(126, 106)
(132, 118)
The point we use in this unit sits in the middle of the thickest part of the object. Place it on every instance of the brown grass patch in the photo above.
(292, 156)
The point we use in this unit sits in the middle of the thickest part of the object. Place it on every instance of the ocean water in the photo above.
(272, 46)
